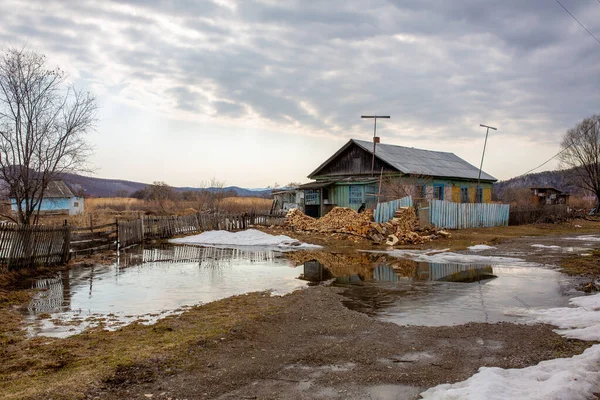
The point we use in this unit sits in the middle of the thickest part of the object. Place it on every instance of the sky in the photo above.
(255, 93)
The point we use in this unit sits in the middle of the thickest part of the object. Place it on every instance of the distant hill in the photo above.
(562, 180)
(101, 187)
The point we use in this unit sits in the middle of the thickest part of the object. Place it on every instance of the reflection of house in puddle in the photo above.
(204, 256)
(358, 267)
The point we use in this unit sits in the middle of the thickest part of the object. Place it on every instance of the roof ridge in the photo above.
(404, 147)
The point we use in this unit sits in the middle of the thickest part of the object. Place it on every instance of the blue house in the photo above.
(351, 177)
(58, 198)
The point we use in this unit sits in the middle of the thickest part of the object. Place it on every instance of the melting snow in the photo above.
(577, 377)
(543, 246)
(250, 237)
(481, 247)
(586, 238)
(446, 257)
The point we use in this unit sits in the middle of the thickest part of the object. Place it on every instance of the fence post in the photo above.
(118, 238)
(66, 243)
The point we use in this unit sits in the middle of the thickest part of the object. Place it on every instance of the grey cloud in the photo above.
(431, 64)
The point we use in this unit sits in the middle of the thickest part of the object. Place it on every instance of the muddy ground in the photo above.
(304, 345)
(311, 347)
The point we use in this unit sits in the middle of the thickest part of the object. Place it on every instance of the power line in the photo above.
(586, 29)
(559, 153)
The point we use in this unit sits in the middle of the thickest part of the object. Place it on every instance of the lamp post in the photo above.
(375, 138)
(482, 155)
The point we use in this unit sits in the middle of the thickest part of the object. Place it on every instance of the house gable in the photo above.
(351, 160)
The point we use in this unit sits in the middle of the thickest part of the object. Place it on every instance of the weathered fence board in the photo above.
(447, 214)
(92, 238)
(385, 211)
(24, 246)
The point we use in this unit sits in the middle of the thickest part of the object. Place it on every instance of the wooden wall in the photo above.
(353, 161)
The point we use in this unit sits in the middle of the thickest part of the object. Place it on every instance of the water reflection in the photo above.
(360, 267)
(154, 281)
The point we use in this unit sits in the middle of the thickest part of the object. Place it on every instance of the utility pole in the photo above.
(375, 137)
(483, 155)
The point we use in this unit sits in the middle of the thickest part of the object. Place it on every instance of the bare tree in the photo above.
(393, 188)
(160, 192)
(581, 152)
(43, 125)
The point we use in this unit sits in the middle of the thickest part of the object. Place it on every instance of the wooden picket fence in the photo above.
(31, 245)
(164, 227)
(35, 245)
(385, 211)
(86, 240)
(447, 214)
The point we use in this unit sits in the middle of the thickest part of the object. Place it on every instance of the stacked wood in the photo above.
(298, 220)
(402, 229)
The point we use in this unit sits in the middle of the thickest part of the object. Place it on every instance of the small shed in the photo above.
(58, 198)
(549, 195)
(287, 198)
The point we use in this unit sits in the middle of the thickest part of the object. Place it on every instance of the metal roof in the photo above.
(315, 185)
(413, 161)
(57, 189)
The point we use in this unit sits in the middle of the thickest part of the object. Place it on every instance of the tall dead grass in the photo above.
(100, 211)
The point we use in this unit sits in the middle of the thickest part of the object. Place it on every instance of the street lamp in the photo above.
(375, 138)
(483, 155)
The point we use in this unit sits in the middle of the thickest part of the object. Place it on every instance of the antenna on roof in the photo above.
(376, 138)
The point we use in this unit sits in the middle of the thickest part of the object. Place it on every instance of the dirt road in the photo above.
(310, 346)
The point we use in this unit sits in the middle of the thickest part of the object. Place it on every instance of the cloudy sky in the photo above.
(258, 92)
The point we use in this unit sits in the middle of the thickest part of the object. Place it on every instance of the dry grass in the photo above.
(245, 204)
(461, 239)
(107, 210)
(67, 368)
(114, 203)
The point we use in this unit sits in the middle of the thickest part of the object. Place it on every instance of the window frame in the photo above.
(438, 189)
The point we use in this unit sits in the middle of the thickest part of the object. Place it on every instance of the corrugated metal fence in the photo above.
(446, 214)
(385, 211)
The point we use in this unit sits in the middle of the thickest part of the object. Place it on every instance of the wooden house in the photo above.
(351, 177)
(58, 198)
(548, 195)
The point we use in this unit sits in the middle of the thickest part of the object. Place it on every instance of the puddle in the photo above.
(409, 292)
(152, 283)
(432, 288)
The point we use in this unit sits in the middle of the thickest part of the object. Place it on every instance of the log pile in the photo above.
(402, 229)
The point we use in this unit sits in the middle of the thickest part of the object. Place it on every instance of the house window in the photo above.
(76, 204)
(464, 194)
(371, 194)
(438, 192)
(479, 196)
(421, 191)
(311, 198)
(356, 194)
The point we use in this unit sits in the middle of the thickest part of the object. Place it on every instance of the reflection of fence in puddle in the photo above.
(453, 272)
(50, 298)
(204, 256)
(386, 271)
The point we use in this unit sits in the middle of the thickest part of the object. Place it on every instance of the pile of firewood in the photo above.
(402, 229)
(299, 221)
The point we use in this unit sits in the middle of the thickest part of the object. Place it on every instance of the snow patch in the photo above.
(585, 238)
(577, 377)
(446, 257)
(543, 246)
(480, 247)
(562, 378)
(250, 237)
